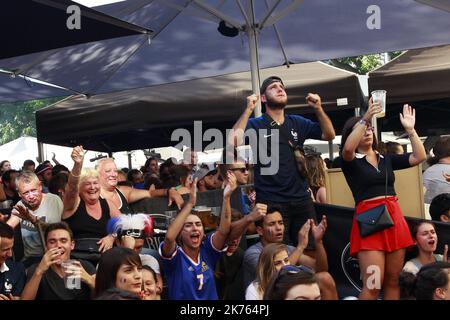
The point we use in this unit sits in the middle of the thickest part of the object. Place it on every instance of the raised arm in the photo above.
(315, 101)
(71, 196)
(295, 255)
(239, 227)
(408, 120)
(225, 217)
(52, 256)
(176, 225)
(318, 232)
(349, 149)
(236, 137)
(134, 195)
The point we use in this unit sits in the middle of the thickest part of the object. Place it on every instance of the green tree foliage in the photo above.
(362, 64)
(18, 119)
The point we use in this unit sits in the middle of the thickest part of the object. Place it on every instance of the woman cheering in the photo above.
(381, 254)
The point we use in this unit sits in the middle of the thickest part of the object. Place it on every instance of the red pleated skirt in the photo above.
(391, 239)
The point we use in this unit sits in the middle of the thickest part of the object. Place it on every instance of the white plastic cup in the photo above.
(379, 96)
(72, 274)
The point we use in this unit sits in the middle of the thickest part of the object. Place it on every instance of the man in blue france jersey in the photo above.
(285, 187)
(189, 266)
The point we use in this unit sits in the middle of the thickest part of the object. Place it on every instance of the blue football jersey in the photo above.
(187, 280)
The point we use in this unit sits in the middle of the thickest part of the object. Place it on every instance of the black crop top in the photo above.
(85, 226)
(366, 181)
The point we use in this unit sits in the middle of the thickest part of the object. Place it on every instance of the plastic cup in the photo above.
(379, 96)
(72, 274)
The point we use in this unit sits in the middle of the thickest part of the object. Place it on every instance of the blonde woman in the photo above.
(273, 257)
(84, 211)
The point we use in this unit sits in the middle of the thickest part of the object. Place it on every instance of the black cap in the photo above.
(440, 205)
(42, 168)
(268, 81)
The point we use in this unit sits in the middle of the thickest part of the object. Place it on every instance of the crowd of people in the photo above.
(81, 239)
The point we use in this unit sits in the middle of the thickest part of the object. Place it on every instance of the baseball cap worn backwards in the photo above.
(268, 81)
(42, 168)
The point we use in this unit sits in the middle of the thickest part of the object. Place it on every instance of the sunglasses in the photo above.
(290, 269)
(242, 170)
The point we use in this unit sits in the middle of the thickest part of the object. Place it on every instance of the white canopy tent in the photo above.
(23, 148)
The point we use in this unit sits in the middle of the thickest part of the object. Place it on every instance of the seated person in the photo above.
(119, 269)
(426, 239)
(46, 279)
(432, 282)
(440, 208)
(188, 258)
(131, 232)
(293, 283)
(228, 273)
(271, 230)
(149, 284)
(272, 258)
(12, 274)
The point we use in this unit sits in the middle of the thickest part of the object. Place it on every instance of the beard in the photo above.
(276, 104)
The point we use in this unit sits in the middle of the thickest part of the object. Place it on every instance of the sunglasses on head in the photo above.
(290, 269)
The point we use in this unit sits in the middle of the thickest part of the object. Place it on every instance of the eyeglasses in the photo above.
(369, 128)
(242, 170)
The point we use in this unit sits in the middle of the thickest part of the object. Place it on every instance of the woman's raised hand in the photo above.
(373, 109)
(78, 154)
(408, 118)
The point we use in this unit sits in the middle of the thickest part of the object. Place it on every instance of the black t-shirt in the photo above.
(285, 184)
(366, 181)
(229, 276)
(52, 286)
(13, 280)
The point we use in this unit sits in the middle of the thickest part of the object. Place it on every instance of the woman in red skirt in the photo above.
(381, 254)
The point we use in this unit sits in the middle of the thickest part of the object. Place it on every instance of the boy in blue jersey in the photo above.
(286, 187)
(189, 266)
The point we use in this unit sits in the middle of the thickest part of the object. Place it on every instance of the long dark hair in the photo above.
(109, 265)
(414, 227)
(347, 130)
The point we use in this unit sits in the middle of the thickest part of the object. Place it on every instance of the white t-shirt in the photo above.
(50, 211)
(434, 181)
(252, 292)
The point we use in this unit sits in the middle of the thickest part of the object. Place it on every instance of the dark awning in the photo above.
(421, 78)
(146, 117)
(29, 26)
